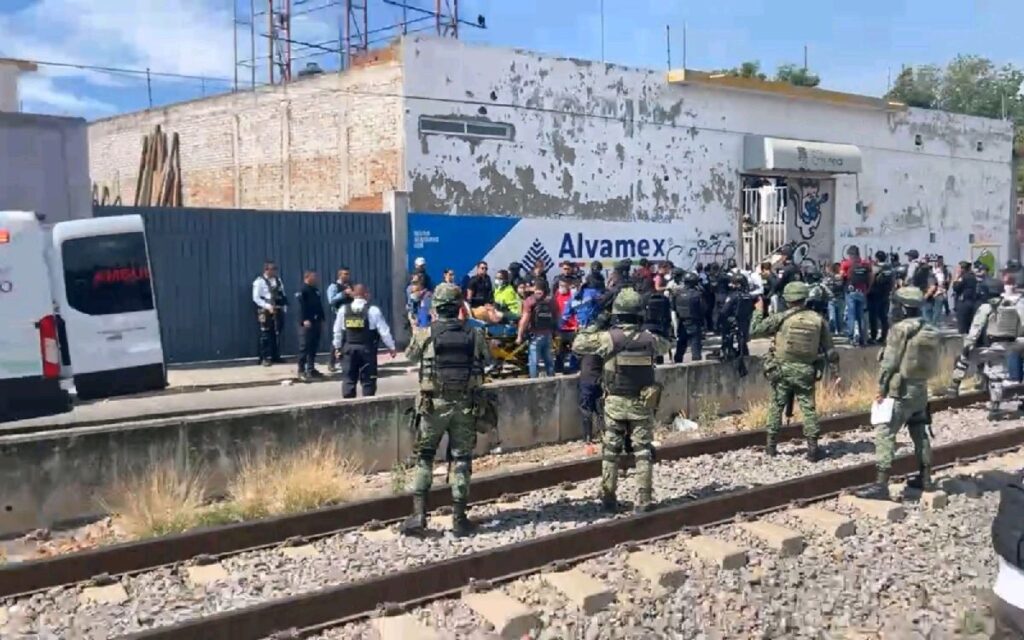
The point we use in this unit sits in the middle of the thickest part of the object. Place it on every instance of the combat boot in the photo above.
(461, 525)
(953, 390)
(923, 480)
(771, 448)
(609, 503)
(416, 524)
(813, 453)
(879, 490)
(644, 502)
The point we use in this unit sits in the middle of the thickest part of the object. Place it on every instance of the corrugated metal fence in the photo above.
(205, 260)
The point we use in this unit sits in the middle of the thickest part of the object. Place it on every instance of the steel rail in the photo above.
(131, 557)
(315, 610)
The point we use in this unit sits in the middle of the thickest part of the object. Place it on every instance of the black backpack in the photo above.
(543, 316)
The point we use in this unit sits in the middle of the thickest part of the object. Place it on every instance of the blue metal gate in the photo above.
(205, 260)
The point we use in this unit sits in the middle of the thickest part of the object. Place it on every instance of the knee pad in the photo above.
(462, 464)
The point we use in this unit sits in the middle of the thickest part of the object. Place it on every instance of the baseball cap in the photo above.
(420, 261)
(913, 254)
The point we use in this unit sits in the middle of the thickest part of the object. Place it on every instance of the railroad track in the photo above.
(313, 613)
(23, 578)
(239, 623)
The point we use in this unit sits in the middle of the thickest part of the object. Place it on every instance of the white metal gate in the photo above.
(764, 222)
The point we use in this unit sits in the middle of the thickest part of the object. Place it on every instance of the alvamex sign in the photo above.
(574, 245)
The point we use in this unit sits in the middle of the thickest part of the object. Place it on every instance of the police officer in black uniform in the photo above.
(311, 324)
(688, 302)
(658, 316)
(878, 297)
(965, 296)
(734, 321)
(359, 328)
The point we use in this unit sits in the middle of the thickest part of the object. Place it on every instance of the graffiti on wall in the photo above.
(717, 247)
(811, 202)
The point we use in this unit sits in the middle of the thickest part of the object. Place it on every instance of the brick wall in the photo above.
(324, 143)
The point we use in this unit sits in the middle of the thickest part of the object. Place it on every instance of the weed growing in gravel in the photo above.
(162, 500)
(972, 622)
(846, 397)
(399, 477)
(708, 410)
(311, 477)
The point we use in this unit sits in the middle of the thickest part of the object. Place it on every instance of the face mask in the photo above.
(499, 282)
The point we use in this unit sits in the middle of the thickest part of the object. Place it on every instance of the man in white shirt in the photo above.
(358, 329)
(270, 300)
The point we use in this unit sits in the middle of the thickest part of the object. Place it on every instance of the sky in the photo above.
(854, 46)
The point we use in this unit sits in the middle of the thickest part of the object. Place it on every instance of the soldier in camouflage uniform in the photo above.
(994, 331)
(631, 393)
(910, 357)
(801, 337)
(451, 356)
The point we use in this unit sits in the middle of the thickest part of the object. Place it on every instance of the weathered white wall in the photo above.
(598, 141)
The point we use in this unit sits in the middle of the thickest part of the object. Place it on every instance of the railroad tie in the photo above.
(588, 594)
(300, 552)
(443, 521)
(830, 523)
(934, 500)
(203, 574)
(880, 509)
(724, 555)
(379, 535)
(786, 542)
(403, 627)
(106, 594)
(656, 569)
(511, 619)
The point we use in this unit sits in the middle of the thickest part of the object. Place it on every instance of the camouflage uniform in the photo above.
(452, 412)
(987, 353)
(910, 357)
(624, 415)
(788, 376)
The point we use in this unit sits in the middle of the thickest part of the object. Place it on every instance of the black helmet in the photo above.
(596, 266)
(988, 288)
(515, 266)
(738, 281)
(691, 277)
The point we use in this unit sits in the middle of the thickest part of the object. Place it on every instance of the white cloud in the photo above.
(41, 94)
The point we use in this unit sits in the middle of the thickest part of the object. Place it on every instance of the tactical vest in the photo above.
(968, 288)
(920, 277)
(542, 317)
(1003, 323)
(688, 305)
(631, 367)
(657, 313)
(859, 274)
(884, 279)
(1008, 526)
(275, 289)
(799, 338)
(452, 368)
(357, 326)
(921, 355)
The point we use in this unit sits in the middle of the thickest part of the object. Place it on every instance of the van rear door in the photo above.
(106, 299)
(29, 351)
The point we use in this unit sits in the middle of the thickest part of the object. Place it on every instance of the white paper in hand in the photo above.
(881, 411)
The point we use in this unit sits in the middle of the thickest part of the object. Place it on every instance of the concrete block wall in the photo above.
(328, 142)
(58, 476)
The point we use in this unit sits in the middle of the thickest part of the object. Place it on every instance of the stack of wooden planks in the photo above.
(159, 180)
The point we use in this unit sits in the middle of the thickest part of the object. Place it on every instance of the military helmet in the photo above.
(446, 294)
(627, 303)
(909, 297)
(691, 277)
(795, 292)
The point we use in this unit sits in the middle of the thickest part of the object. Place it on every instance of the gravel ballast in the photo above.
(163, 597)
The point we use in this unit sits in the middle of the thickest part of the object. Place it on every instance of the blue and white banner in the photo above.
(459, 242)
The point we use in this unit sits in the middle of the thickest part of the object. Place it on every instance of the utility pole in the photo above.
(602, 30)
(684, 46)
(252, 43)
(149, 88)
(234, 33)
(668, 46)
(805, 57)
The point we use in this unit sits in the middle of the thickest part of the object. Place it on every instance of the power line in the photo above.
(129, 71)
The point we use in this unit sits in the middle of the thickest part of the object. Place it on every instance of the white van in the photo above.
(76, 304)
(30, 367)
(99, 270)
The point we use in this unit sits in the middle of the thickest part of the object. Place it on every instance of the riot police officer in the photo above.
(631, 393)
(452, 356)
(658, 315)
(965, 295)
(734, 318)
(801, 337)
(993, 334)
(688, 303)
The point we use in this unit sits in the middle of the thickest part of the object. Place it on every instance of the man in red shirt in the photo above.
(566, 327)
(540, 321)
(858, 276)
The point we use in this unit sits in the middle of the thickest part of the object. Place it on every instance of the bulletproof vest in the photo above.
(799, 338)
(884, 278)
(688, 305)
(357, 326)
(1008, 526)
(860, 274)
(968, 288)
(920, 277)
(590, 368)
(454, 363)
(631, 367)
(744, 308)
(921, 355)
(1003, 322)
(542, 318)
(274, 287)
(657, 313)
